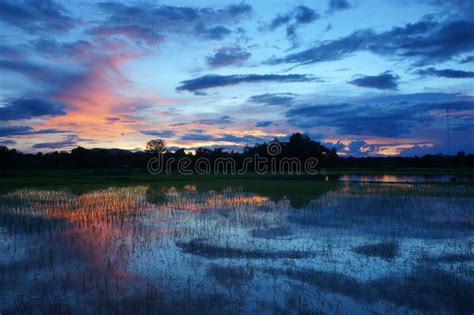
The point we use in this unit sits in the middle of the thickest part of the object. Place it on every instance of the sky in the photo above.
(369, 78)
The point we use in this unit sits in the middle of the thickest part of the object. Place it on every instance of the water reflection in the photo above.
(403, 178)
(247, 247)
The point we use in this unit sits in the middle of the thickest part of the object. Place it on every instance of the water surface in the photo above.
(405, 178)
(242, 247)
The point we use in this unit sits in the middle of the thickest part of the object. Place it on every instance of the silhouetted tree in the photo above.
(7, 159)
(299, 146)
(155, 146)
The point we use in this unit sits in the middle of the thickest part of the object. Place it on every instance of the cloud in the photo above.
(91, 84)
(389, 116)
(338, 5)
(224, 147)
(297, 17)
(467, 59)
(446, 73)
(264, 123)
(451, 7)
(11, 52)
(223, 120)
(426, 41)
(217, 121)
(278, 99)
(51, 76)
(227, 56)
(27, 108)
(55, 145)
(7, 142)
(383, 81)
(64, 50)
(213, 80)
(25, 131)
(224, 138)
(67, 142)
(142, 21)
(88, 79)
(112, 119)
(214, 33)
(242, 139)
(362, 148)
(197, 137)
(36, 16)
(132, 32)
(159, 133)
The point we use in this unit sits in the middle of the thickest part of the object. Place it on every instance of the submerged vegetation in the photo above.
(221, 246)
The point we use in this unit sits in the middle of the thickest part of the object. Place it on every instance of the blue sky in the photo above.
(366, 77)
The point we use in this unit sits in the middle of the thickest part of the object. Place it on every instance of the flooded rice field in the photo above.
(267, 247)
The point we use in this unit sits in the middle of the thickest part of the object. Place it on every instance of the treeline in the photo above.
(298, 146)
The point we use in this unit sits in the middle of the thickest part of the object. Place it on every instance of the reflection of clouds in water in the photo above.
(152, 243)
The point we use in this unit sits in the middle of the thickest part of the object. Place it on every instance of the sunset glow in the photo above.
(229, 74)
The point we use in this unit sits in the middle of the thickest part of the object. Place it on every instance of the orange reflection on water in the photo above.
(105, 228)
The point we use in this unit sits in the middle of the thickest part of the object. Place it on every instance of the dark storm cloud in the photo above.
(25, 131)
(264, 123)
(147, 21)
(426, 41)
(383, 81)
(227, 56)
(29, 69)
(27, 108)
(329, 50)
(159, 133)
(338, 5)
(36, 16)
(298, 16)
(446, 73)
(383, 117)
(213, 80)
(278, 99)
